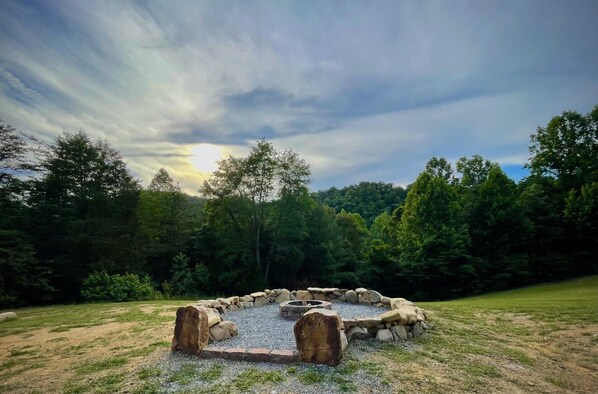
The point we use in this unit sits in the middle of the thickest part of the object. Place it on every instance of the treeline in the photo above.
(75, 223)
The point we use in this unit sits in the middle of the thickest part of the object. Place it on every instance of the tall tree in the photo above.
(433, 239)
(85, 211)
(246, 188)
(567, 149)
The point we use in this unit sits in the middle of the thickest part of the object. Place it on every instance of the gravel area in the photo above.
(262, 327)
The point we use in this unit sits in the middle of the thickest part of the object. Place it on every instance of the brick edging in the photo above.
(278, 356)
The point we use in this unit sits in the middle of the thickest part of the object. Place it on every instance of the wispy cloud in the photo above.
(362, 91)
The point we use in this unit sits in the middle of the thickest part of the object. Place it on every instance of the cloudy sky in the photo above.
(363, 90)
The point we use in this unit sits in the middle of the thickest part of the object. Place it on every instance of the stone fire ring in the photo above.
(293, 310)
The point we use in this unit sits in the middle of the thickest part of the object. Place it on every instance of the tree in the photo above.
(23, 279)
(440, 168)
(433, 239)
(567, 149)
(245, 189)
(474, 171)
(85, 212)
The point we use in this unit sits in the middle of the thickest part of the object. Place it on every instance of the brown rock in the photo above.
(319, 297)
(211, 352)
(213, 317)
(235, 353)
(319, 337)
(259, 294)
(303, 295)
(372, 296)
(396, 303)
(191, 330)
(231, 327)
(219, 333)
(283, 295)
(368, 322)
(390, 316)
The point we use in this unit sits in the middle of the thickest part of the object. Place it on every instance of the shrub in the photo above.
(99, 286)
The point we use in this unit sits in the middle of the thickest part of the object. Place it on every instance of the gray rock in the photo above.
(283, 295)
(260, 301)
(351, 297)
(399, 333)
(384, 335)
(372, 296)
(358, 333)
(417, 330)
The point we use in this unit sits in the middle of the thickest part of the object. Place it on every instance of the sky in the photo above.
(362, 90)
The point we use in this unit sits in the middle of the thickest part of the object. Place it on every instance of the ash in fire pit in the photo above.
(293, 310)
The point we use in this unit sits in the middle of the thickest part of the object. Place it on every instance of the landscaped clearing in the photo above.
(538, 339)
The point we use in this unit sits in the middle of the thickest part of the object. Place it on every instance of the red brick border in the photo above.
(279, 356)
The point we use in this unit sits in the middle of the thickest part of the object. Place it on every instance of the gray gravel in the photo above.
(263, 328)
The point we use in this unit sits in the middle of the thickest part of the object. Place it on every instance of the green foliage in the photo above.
(433, 239)
(368, 199)
(99, 286)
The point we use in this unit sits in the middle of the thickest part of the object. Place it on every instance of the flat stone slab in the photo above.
(258, 355)
(235, 354)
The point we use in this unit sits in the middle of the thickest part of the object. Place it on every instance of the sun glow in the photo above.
(204, 157)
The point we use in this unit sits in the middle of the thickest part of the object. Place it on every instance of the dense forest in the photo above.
(75, 224)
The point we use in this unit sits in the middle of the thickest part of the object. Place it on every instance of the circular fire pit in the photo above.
(293, 310)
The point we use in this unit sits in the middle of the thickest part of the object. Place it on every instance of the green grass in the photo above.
(251, 377)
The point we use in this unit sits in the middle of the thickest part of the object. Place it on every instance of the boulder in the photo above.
(348, 323)
(283, 296)
(219, 333)
(357, 333)
(233, 300)
(246, 305)
(223, 301)
(230, 326)
(390, 316)
(314, 289)
(362, 300)
(246, 298)
(304, 295)
(320, 337)
(396, 303)
(421, 314)
(191, 330)
(351, 297)
(384, 335)
(399, 333)
(7, 316)
(329, 290)
(368, 322)
(385, 301)
(259, 294)
(260, 301)
(417, 329)
(319, 297)
(361, 290)
(213, 317)
(372, 296)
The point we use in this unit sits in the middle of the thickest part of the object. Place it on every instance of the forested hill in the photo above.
(76, 225)
(368, 199)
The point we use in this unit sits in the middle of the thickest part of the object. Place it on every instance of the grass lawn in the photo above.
(537, 339)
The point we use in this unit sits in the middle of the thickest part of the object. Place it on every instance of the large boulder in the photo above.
(219, 333)
(399, 333)
(191, 330)
(391, 316)
(231, 327)
(260, 301)
(358, 333)
(283, 295)
(351, 297)
(320, 337)
(372, 296)
(304, 295)
(396, 303)
(213, 317)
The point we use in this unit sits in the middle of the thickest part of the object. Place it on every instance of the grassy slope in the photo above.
(542, 338)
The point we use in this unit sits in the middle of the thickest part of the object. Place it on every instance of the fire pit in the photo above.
(293, 310)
